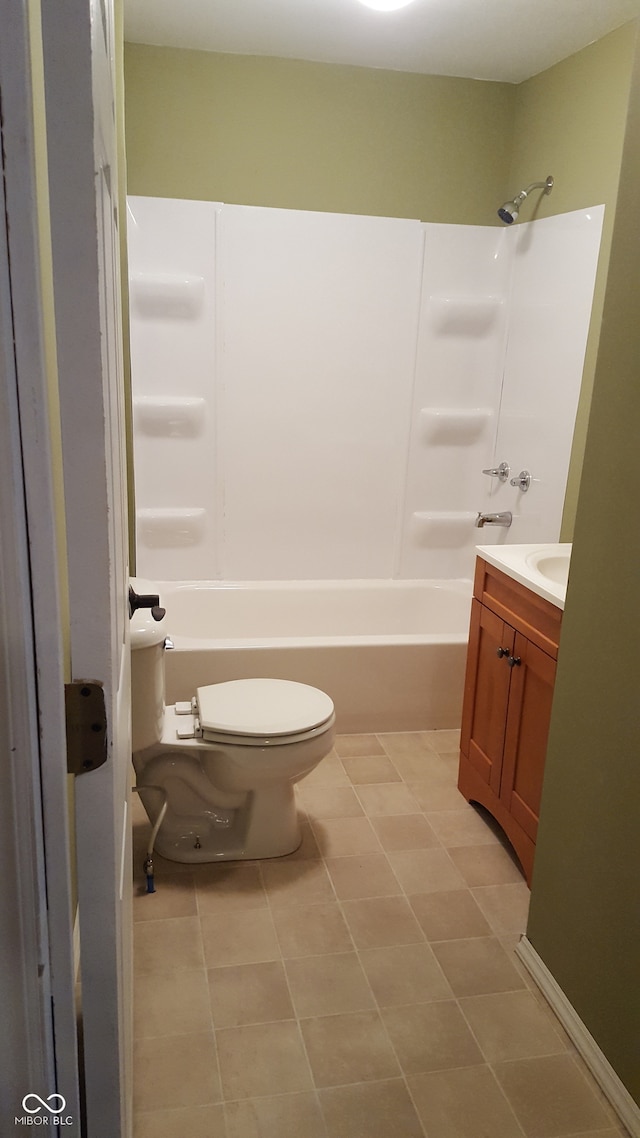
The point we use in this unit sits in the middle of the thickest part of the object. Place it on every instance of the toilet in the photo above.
(226, 761)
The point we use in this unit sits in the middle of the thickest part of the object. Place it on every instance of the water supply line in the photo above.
(148, 861)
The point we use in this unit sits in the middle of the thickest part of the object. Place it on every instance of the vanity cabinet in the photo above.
(511, 664)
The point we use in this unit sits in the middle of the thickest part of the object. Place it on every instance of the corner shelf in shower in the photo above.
(453, 426)
(169, 416)
(166, 527)
(166, 296)
(442, 529)
(467, 316)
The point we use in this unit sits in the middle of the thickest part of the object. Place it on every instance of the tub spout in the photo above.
(503, 519)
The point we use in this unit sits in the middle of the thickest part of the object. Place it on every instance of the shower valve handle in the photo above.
(502, 471)
(523, 481)
(145, 601)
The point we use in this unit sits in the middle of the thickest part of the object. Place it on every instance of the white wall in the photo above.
(316, 395)
(320, 313)
(459, 368)
(554, 267)
(503, 330)
(172, 256)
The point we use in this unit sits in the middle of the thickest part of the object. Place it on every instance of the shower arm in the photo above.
(547, 186)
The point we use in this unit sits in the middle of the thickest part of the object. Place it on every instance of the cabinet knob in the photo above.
(514, 661)
(500, 652)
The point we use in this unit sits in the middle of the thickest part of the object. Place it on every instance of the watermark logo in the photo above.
(42, 1103)
(43, 1112)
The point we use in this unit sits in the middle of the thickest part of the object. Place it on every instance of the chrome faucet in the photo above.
(503, 519)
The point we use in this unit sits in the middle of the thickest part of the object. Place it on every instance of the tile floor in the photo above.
(364, 987)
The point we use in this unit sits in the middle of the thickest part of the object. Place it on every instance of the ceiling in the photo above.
(504, 40)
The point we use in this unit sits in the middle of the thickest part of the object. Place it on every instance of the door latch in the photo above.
(86, 719)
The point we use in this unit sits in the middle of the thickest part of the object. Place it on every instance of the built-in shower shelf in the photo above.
(453, 426)
(166, 296)
(169, 416)
(442, 530)
(167, 528)
(472, 316)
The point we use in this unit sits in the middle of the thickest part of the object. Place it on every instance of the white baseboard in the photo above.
(625, 1107)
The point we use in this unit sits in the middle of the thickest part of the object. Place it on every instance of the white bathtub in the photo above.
(390, 654)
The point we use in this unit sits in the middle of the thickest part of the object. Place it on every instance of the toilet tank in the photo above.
(147, 680)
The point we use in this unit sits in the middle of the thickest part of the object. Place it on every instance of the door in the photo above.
(57, 93)
(527, 731)
(486, 693)
(78, 50)
(26, 1043)
(37, 941)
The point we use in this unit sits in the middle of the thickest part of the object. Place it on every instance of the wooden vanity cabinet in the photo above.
(511, 664)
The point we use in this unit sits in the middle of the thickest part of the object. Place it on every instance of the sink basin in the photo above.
(554, 566)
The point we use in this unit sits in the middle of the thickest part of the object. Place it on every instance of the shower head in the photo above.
(510, 210)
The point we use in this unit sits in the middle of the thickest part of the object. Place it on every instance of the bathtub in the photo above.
(391, 654)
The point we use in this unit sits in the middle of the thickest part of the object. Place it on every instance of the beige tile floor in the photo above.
(364, 987)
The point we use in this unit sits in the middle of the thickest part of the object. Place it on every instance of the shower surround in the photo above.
(316, 395)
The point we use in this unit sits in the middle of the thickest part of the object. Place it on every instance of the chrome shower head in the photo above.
(510, 210)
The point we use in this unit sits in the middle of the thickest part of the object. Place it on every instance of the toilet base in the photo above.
(265, 826)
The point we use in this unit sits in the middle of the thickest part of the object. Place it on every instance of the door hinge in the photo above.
(86, 726)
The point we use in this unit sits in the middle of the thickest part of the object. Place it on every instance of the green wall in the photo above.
(275, 132)
(261, 131)
(585, 906)
(570, 120)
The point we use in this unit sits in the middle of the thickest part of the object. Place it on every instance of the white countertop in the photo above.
(521, 562)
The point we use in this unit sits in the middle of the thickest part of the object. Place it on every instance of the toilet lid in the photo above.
(262, 707)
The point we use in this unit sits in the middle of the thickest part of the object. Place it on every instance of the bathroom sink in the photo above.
(542, 568)
(553, 566)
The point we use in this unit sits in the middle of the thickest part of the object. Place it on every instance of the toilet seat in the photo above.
(262, 712)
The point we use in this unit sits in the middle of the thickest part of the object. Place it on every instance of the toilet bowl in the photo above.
(226, 761)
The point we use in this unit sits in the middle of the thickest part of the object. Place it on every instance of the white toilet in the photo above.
(227, 761)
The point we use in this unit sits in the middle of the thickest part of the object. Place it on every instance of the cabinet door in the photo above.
(525, 743)
(486, 693)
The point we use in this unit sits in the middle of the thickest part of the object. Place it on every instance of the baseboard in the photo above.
(625, 1107)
